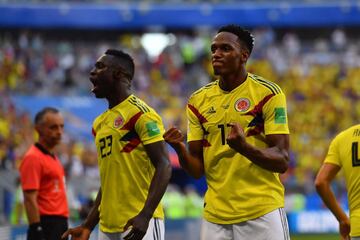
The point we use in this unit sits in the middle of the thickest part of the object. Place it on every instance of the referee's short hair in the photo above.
(40, 115)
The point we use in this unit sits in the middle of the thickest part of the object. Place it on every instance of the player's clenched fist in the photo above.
(236, 138)
(173, 136)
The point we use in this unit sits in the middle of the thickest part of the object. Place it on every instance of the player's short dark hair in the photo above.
(125, 60)
(244, 35)
(40, 115)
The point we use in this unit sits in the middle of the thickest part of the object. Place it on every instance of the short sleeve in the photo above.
(332, 155)
(194, 129)
(30, 173)
(275, 115)
(150, 128)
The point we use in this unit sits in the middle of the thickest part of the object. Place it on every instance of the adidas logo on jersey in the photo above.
(225, 106)
(211, 110)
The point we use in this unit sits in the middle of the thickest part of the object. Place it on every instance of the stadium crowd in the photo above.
(320, 76)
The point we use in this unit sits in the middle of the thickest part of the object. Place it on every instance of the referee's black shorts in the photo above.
(53, 226)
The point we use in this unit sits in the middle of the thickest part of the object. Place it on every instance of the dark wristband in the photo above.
(35, 232)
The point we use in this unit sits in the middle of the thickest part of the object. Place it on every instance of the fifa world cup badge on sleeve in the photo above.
(152, 129)
(280, 116)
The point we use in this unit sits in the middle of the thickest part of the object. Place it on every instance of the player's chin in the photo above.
(98, 94)
(217, 71)
(56, 141)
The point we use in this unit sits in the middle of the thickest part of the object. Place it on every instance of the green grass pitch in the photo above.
(315, 237)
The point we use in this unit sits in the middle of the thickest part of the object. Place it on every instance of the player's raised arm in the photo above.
(191, 160)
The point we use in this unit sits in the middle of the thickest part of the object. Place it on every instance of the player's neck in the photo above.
(232, 81)
(118, 98)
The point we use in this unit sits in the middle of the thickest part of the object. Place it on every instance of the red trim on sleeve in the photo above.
(201, 118)
(131, 123)
(258, 122)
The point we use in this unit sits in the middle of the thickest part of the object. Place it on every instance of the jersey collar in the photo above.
(43, 150)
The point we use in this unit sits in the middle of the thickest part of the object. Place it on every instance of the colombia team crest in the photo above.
(242, 105)
(118, 122)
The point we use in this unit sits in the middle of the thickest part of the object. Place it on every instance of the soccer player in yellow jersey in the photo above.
(343, 154)
(132, 157)
(238, 137)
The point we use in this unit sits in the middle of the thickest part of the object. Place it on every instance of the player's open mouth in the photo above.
(94, 88)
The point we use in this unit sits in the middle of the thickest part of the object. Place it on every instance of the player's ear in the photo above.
(116, 74)
(244, 55)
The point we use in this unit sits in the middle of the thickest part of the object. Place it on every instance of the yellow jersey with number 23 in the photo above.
(125, 168)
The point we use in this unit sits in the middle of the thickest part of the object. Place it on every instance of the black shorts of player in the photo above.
(53, 226)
